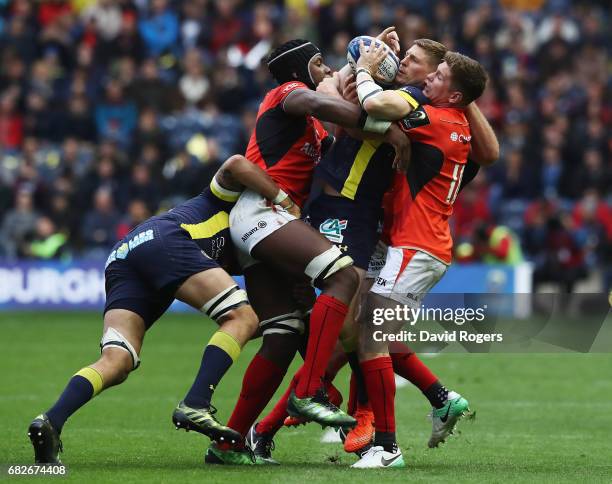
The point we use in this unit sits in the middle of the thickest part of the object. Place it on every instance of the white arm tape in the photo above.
(366, 87)
(280, 196)
(374, 125)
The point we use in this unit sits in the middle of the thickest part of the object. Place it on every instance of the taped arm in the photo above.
(237, 172)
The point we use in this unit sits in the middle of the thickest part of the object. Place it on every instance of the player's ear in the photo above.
(455, 97)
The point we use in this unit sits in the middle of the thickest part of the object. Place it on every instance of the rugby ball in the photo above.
(388, 67)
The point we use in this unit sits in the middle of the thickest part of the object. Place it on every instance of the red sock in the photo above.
(326, 322)
(408, 365)
(272, 422)
(380, 382)
(260, 381)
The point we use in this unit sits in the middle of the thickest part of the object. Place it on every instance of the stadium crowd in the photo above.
(111, 110)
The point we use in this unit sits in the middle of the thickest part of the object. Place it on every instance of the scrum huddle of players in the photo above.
(408, 150)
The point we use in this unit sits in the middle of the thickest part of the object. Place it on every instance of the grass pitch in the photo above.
(540, 417)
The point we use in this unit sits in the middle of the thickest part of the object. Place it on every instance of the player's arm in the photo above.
(484, 144)
(237, 172)
(333, 109)
(391, 104)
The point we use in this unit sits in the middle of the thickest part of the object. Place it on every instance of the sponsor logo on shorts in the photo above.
(381, 282)
(122, 251)
(332, 229)
(261, 224)
(248, 234)
(138, 239)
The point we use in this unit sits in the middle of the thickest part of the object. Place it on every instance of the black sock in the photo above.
(362, 393)
(386, 440)
(437, 394)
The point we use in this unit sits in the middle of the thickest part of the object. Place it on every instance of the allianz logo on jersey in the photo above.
(332, 229)
(460, 137)
(311, 151)
(122, 251)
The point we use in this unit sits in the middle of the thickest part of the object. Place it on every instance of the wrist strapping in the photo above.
(371, 124)
(280, 196)
(366, 87)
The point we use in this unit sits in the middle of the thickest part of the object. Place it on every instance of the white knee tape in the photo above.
(326, 264)
(225, 301)
(290, 323)
(114, 339)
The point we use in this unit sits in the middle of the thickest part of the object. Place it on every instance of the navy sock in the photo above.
(81, 388)
(437, 394)
(215, 363)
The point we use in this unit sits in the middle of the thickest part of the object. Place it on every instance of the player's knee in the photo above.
(243, 319)
(115, 365)
(345, 283)
(118, 354)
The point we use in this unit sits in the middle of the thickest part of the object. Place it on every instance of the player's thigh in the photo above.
(421, 272)
(292, 247)
(203, 286)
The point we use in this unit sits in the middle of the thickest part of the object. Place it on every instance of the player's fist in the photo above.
(330, 86)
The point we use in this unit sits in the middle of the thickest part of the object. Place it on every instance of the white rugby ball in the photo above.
(388, 67)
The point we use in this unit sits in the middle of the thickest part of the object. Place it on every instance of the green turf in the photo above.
(544, 418)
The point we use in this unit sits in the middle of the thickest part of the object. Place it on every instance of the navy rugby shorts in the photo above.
(146, 267)
(352, 226)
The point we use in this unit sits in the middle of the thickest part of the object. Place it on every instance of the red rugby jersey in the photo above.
(287, 147)
(423, 198)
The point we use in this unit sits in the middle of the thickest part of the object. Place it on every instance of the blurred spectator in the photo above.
(160, 29)
(115, 117)
(193, 84)
(18, 223)
(137, 213)
(99, 228)
(47, 242)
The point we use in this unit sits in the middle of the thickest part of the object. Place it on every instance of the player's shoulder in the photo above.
(280, 92)
(446, 114)
(413, 93)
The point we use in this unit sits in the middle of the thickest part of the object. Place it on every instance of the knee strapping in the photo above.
(326, 264)
(114, 339)
(291, 323)
(224, 302)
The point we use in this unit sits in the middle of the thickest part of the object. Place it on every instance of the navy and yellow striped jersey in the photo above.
(205, 218)
(362, 170)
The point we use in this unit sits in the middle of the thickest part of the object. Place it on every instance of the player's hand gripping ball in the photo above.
(387, 69)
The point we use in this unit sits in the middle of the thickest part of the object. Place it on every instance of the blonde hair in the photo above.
(435, 50)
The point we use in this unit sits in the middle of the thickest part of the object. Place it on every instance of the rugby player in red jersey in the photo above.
(420, 242)
(273, 245)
